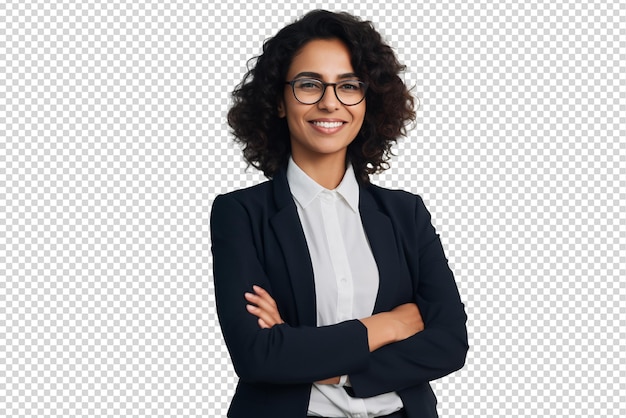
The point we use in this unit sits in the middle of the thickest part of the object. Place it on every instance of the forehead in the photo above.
(327, 57)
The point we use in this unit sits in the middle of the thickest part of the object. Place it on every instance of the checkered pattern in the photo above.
(113, 145)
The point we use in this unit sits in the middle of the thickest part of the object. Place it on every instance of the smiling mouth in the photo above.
(327, 125)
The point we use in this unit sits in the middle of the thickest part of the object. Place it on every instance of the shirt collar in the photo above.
(304, 189)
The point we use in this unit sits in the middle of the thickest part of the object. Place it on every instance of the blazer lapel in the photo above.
(290, 236)
(379, 231)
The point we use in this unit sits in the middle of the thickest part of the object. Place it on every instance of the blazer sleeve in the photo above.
(284, 353)
(442, 346)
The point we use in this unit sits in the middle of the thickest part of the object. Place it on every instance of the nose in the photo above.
(329, 100)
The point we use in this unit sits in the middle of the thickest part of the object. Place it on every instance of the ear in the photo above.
(281, 109)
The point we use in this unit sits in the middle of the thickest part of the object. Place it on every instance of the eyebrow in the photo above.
(319, 76)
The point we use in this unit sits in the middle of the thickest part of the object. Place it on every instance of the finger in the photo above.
(258, 298)
(265, 303)
(261, 302)
(264, 295)
(267, 319)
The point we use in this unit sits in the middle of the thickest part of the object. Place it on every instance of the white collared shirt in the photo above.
(346, 278)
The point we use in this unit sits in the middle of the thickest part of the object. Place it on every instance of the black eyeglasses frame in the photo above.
(325, 87)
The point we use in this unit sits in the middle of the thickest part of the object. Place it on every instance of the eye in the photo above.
(308, 84)
(350, 86)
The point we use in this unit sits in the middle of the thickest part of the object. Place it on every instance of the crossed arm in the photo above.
(265, 351)
(383, 328)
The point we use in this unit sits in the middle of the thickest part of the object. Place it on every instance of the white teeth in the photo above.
(328, 125)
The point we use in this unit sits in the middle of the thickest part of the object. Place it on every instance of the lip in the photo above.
(327, 130)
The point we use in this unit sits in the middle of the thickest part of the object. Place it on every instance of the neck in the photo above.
(327, 171)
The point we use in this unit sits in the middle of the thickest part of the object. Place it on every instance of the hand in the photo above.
(263, 306)
(408, 320)
(396, 325)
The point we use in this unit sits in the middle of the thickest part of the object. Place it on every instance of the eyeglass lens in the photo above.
(309, 91)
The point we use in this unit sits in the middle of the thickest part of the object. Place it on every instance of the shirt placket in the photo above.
(338, 256)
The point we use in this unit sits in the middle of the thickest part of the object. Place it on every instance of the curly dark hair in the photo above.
(389, 105)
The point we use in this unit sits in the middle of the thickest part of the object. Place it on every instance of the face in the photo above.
(327, 127)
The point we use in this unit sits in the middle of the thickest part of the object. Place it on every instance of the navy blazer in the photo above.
(257, 239)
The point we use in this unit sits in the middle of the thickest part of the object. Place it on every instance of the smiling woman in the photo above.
(264, 135)
(334, 295)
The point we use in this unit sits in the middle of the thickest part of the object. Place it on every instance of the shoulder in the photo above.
(394, 199)
(235, 211)
(405, 209)
(249, 195)
(406, 212)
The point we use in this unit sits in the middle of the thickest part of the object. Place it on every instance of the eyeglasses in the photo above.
(310, 91)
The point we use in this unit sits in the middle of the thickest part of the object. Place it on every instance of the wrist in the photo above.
(381, 330)
(391, 327)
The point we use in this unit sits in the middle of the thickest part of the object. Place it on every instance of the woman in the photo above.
(334, 295)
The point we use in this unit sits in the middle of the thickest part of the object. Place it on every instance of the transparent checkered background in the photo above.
(113, 145)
